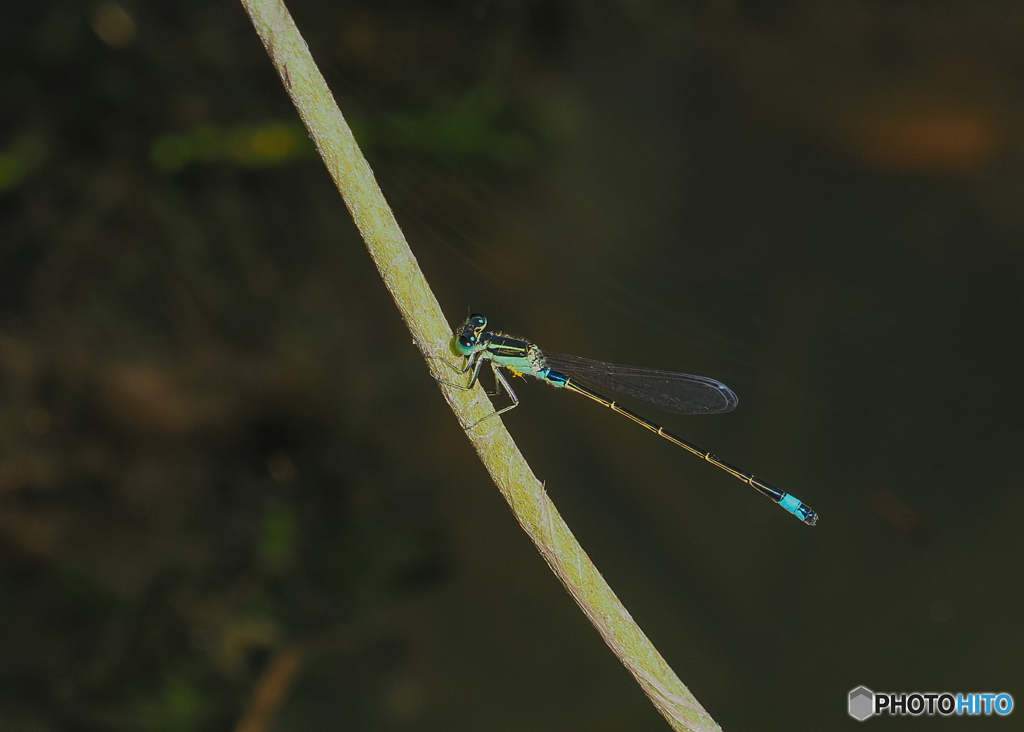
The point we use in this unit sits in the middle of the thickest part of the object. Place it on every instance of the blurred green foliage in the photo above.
(269, 144)
(179, 707)
(467, 129)
(26, 153)
(279, 532)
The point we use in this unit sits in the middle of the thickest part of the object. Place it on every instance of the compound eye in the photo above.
(466, 344)
(477, 321)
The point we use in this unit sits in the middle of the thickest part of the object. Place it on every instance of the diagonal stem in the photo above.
(430, 331)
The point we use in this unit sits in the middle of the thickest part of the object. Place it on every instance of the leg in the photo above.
(453, 367)
(474, 362)
(499, 381)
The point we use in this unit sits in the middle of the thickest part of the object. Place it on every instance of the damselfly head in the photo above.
(470, 336)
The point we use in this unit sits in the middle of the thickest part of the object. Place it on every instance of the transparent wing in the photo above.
(680, 393)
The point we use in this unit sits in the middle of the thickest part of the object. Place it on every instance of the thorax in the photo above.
(516, 355)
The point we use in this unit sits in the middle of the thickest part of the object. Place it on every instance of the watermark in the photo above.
(865, 703)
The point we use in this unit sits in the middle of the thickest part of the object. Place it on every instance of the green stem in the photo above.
(430, 331)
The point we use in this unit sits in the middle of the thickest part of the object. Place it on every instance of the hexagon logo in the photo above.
(862, 703)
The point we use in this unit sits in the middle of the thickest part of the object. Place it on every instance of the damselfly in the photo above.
(680, 393)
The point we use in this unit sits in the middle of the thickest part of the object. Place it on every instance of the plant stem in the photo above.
(422, 314)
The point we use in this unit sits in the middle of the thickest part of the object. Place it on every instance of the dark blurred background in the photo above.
(232, 498)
